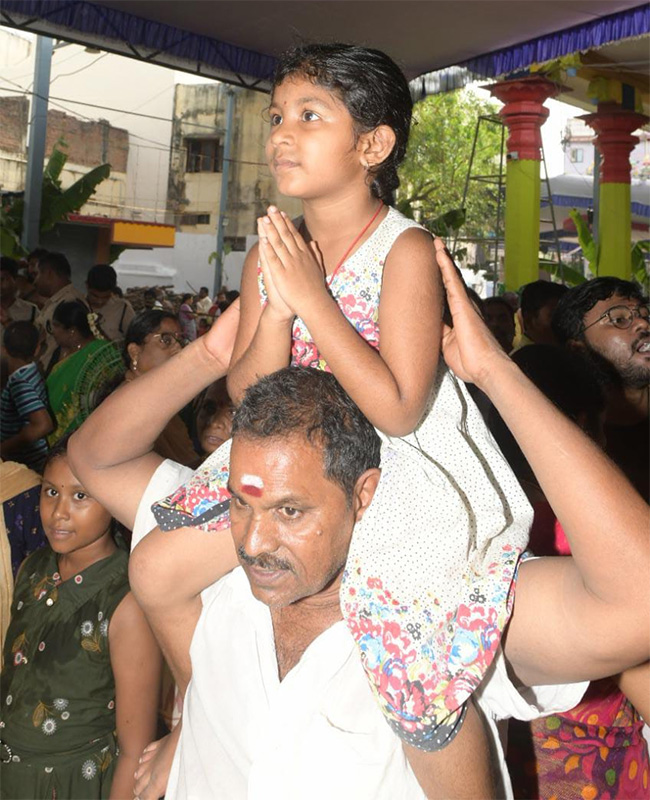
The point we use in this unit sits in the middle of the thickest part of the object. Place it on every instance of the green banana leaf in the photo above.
(568, 275)
(590, 249)
(55, 163)
(56, 207)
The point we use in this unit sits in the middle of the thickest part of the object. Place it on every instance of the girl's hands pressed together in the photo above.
(296, 268)
(276, 304)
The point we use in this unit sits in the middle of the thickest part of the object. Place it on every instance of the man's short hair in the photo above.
(57, 262)
(9, 265)
(204, 289)
(37, 254)
(102, 277)
(20, 339)
(568, 317)
(535, 295)
(149, 293)
(499, 301)
(311, 403)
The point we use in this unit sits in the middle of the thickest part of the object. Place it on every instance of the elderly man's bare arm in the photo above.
(576, 618)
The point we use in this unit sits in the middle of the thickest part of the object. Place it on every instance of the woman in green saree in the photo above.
(84, 367)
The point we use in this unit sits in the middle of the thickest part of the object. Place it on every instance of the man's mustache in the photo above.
(263, 561)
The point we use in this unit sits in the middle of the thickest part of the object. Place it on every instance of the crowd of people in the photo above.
(355, 560)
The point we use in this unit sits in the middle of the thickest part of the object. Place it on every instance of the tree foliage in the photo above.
(434, 172)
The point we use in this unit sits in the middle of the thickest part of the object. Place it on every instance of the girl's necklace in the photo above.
(330, 277)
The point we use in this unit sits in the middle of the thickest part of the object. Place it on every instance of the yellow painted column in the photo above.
(522, 223)
(614, 126)
(615, 231)
(524, 114)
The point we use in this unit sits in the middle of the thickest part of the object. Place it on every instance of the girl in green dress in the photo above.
(81, 677)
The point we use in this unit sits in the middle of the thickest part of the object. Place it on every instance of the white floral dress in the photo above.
(429, 581)
(57, 713)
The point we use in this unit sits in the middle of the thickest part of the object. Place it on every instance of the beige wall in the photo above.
(200, 111)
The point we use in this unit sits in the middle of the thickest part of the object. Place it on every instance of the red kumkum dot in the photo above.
(253, 490)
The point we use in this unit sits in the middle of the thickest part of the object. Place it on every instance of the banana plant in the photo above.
(56, 202)
(591, 251)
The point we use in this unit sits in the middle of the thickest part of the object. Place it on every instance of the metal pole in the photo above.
(36, 147)
(595, 223)
(223, 200)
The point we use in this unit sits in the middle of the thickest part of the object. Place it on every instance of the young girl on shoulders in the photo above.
(80, 685)
(354, 288)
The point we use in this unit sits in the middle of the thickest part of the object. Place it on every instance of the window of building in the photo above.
(204, 155)
(237, 243)
(577, 154)
(195, 219)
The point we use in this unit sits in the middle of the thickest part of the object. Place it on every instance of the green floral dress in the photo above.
(57, 718)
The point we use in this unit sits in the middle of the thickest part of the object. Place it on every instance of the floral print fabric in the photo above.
(596, 751)
(428, 585)
(58, 692)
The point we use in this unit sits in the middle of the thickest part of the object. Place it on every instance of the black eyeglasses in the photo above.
(621, 317)
(169, 339)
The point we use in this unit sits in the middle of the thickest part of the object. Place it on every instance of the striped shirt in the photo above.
(24, 393)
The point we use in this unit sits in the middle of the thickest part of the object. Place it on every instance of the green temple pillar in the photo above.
(524, 114)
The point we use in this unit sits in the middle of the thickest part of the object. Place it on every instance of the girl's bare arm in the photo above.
(390, 386)
(136, 662)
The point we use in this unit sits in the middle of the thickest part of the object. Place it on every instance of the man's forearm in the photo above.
(589, 495)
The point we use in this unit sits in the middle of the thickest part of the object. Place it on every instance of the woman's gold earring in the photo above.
(134, 365)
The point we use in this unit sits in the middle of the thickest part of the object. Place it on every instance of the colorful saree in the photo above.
(76, 384)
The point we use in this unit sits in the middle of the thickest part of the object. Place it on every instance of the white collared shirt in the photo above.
(317, 734)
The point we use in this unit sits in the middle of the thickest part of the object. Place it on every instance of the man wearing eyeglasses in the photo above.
(606, 319)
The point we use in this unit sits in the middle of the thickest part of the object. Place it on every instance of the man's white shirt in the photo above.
(318, 733)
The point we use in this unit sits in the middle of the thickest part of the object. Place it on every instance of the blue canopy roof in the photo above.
(237, 41)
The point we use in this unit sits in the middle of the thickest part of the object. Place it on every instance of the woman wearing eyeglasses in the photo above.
(152, 338)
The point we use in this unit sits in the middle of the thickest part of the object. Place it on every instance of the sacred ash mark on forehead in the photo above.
(252, 484)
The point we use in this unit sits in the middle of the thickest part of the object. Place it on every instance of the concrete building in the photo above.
(578, 144)
(164, 138)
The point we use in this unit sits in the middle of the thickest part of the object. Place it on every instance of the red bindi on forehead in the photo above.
(252, 490)
(252, 485)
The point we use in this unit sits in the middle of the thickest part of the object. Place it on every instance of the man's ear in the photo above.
(376, 145)
(364, 491)
(577, 345)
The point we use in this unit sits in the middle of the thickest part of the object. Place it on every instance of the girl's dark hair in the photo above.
(372, 88)
(73, 314)
(144, 323)
(120, 534)
(59, 449)
(185, 297)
